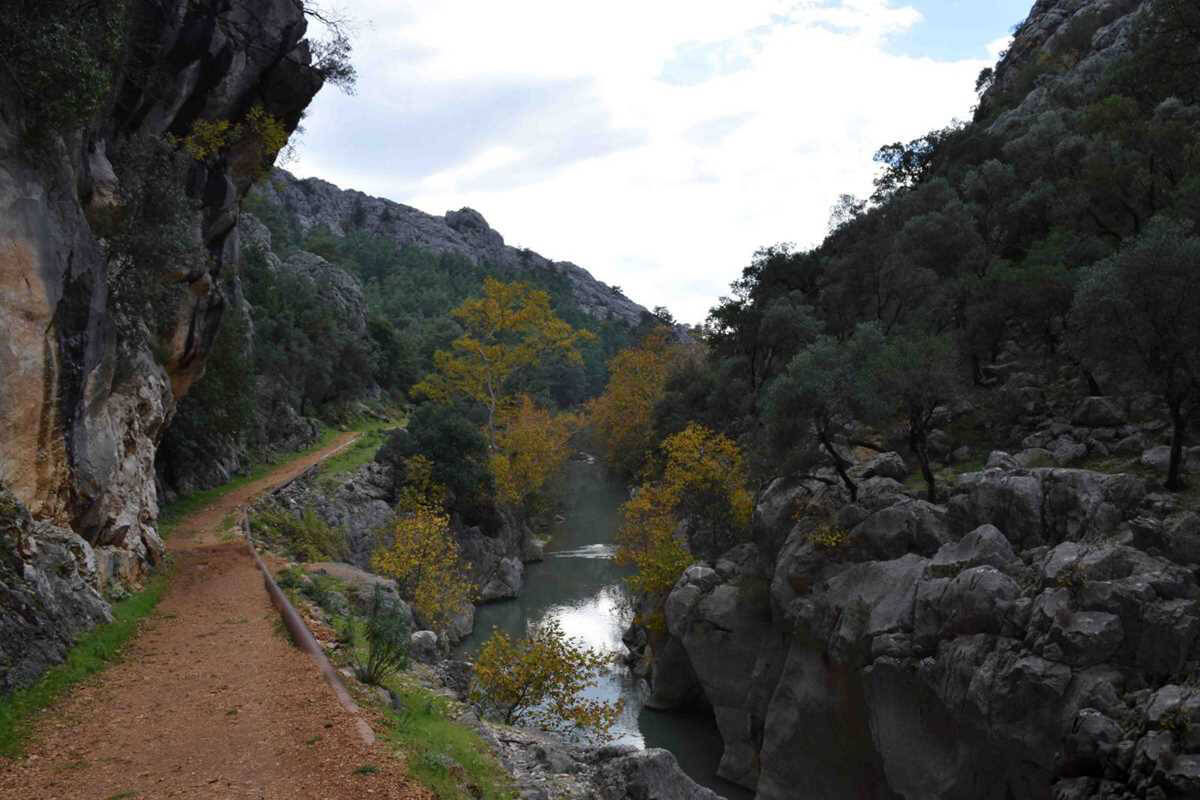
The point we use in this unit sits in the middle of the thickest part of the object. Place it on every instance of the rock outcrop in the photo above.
(87, 386)
(1033, 638)
(314, 203)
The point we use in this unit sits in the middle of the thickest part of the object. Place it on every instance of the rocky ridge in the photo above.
(316, 203)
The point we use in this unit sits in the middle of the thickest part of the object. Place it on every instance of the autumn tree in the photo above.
(424, 560)
(531, 447)
(542, 679)
(623, 416)
(507, 330)
(703, 487)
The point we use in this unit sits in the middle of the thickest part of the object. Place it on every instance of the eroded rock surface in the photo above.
(84, 395)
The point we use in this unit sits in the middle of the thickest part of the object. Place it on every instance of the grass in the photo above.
(361, 452)
(433, 744)
(94, 651)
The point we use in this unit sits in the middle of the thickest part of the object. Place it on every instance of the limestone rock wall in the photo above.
(82, 407)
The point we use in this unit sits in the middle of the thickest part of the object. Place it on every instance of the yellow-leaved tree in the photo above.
(532, 445)
(424, 560)
(623, 416)
(511, 327)
(703, 483)
(542, 679)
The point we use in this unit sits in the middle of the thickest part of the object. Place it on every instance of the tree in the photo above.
(702, 487)
(1136, 313)
(622, 417)
(424, 560)
(508, 329)
(457, 453)
(531, 447)
(819, 394)
(542, 679)
(910, 376)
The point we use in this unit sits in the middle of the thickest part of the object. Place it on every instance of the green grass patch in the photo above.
(448, 758)
(94, 651)
(361, 452)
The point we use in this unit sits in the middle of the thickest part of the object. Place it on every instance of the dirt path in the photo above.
(211, 699)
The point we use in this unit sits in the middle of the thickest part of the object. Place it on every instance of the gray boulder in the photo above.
(1098, 412)
(647, 775)
(423, 647)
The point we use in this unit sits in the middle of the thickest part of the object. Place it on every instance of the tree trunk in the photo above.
(839, 464)
(1179, 423)
(916, 442)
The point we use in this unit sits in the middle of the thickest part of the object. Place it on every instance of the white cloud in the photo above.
(657, 144)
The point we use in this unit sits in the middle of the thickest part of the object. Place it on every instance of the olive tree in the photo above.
(1137, 314)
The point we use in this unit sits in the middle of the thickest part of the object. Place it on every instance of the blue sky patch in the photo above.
(958, 29)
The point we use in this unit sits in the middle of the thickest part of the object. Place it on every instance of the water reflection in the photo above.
(581, 587)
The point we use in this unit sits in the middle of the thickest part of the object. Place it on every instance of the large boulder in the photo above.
(1099, 412)
(645, 775)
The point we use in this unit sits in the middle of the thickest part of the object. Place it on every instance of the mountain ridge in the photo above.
(317, 203)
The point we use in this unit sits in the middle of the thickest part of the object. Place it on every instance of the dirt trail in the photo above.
(211, 699)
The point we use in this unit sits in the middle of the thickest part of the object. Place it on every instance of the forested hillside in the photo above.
(965, 421)
(338, 316)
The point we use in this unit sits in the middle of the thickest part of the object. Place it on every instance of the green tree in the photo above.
(822, 390)
(1136, 313)
(910, 376)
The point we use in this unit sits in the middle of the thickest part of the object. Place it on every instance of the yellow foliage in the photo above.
(419, 489)
(424, 560)
(827, 537)
(542, 679)
(531, 446)
(511, 327)
(623, 416)
(264, 134)
(208, 138)
(704, 480)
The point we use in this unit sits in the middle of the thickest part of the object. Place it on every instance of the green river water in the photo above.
(579, 585)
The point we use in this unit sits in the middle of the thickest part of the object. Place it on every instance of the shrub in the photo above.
(386, 635)
(61, 58)
(306, 537)
(542, 678)
(424, 560)
(828, 537)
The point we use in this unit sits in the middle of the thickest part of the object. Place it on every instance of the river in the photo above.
(580, 586)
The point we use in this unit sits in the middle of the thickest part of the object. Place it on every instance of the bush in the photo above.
(387, 638)
(306, 537)
(543, 679)
(424, 560)
(61, 58)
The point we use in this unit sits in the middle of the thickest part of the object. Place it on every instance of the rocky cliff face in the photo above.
(86, 386)
(1058, 55)
(315, 203)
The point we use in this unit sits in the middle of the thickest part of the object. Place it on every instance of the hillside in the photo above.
(316, 204)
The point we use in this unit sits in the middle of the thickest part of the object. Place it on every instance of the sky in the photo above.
(657, 143)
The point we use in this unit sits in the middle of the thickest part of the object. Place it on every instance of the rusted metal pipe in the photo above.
(304, 639)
